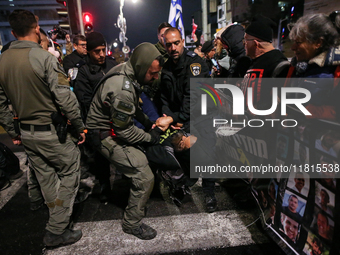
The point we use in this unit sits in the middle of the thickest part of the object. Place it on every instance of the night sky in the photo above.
(142, 18)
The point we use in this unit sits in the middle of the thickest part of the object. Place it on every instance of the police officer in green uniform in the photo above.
(114, 106)
(35, 83)
(175, 92)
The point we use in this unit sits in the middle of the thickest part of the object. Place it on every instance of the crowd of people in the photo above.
(136, 115)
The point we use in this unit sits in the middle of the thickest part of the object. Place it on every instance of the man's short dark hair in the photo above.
(160, 60)
(293, 196)
(78, 38)
(22, 22)
(173, 29)
(162, 25)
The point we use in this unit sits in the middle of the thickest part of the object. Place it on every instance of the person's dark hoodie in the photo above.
(233, 37)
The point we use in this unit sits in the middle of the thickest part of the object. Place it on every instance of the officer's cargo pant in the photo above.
(56, 167)
(34, 191)
(131, 162)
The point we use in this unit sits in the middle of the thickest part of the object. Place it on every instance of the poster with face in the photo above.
(299, 183)
(322, 225)
(314, 246)
(326, 142)
(293, 205)
(328, 174)
(290, 228)
(324, 199)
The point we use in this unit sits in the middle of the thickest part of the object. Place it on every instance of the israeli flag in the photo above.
(175, 16)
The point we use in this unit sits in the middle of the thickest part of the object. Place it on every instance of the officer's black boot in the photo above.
(209, 191)
(144, 232)
(68, 237)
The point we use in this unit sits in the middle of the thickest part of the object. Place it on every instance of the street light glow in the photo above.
(134, 1)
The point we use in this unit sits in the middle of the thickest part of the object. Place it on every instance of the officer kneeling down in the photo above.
(113, 133)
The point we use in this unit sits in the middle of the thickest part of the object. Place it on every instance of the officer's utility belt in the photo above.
(29, 127)
(103, 133)
(95, 136)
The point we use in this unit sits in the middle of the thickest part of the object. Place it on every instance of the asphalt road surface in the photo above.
(181, 230)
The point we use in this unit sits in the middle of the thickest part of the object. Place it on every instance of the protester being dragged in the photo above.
(316, 47)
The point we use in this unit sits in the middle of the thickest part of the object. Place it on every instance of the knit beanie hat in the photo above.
(207, 46)
(261, 27)
(95, 39)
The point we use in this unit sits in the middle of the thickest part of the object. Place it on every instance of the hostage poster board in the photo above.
(299, 207)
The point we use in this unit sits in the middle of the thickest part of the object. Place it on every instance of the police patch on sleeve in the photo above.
(195, 69)
(127, 85)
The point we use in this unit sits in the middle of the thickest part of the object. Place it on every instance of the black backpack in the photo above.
(9, 166)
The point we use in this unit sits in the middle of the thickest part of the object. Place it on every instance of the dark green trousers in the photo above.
(56, 167)
(131, 162)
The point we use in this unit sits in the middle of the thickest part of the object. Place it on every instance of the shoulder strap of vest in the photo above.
(102, 80)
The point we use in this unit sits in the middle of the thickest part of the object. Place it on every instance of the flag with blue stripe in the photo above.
(175, 16)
